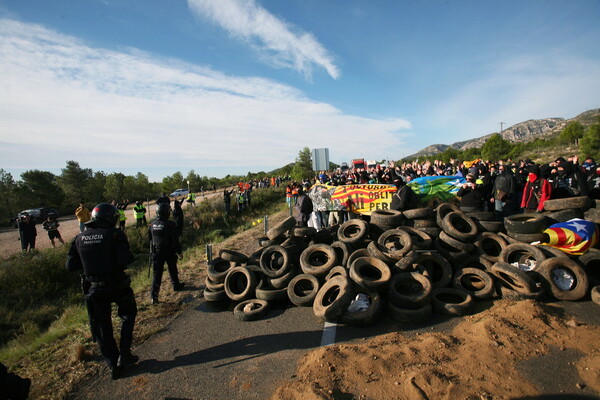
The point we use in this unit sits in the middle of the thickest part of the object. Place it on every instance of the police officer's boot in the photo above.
(127, 358)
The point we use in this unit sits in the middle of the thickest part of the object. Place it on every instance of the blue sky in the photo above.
(231, 86)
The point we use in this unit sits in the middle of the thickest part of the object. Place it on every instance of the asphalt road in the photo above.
(206, 353)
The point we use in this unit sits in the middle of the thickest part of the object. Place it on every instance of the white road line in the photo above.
(328, 337)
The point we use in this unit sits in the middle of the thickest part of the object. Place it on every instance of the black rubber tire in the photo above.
(595, 294)
(318, 259)
(420, 240)
(424, 223)
(213, 286)
(490, 226)
(409, 290)
(433, 232)
(478, 262)
(284, 280)
(514, 253)
(392, 218)
(459, 226)
(550, 251)
(260, 311)
(451, 301)
(306, 232)
(281, 228)
(513, 278)
(356, 254)
(333, 298)
(474, 281)
(275, 261)
(528, 237)
(482, 216)
(442, 210)
(525, 223)
(405, 264)
(267, 293)
(364, 317)
(593, 214)
(509, 240)
(217, 269)
(591, 265)
(266, 242)
(342, 252)
(417, 316)
(581, 202)
(215, 296)
(376, 251)
(370, 273)
(437, 267)
(338, 270)
(240, 284)
(507, 293)
(303, 289)
(353, 231)
(454, 255)
(419, 213)
(490, 245)
(457, 244)
(581, 285)
(233, 256)
(397, 243)
(563, 215)
(323, 236)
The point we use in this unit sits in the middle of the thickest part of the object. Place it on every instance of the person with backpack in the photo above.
(165, 247)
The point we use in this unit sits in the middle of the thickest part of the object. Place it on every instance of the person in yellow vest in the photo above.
(191, 198)
(139, 212)
(121, 207)
(83, 215)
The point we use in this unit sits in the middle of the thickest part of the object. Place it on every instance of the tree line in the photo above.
(74, 184)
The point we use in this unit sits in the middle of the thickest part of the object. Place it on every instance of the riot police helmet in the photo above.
(163, 211)
(104, 215)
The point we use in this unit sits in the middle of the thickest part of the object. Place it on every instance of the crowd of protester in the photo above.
(504, 187)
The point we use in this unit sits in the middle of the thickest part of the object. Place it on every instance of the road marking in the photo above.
(328, 337)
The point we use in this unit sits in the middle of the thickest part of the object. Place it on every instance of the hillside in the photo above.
(522, 132)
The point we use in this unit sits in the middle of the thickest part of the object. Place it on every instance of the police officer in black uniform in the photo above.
(102, 251)
(165, 248)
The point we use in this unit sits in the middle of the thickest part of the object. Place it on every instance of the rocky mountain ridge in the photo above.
(521, 132)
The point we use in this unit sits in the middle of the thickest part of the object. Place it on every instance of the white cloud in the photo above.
(274, 38)
(68, 101)
(518, 88)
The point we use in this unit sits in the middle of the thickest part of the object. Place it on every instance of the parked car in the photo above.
(180, 192)
(39, 214)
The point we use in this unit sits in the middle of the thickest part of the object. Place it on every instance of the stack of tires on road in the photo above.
(407, 265)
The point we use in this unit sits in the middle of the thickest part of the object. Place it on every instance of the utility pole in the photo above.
(501, 127)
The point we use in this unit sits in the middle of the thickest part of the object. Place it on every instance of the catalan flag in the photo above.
(573, 237)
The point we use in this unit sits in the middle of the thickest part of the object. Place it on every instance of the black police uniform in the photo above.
(165, 248)
(103, 254)
(178, 215)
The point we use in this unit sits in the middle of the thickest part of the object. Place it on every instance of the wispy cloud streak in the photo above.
(67, 100)
(275, 39)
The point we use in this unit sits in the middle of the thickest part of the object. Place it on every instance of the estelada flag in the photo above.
(574, 237)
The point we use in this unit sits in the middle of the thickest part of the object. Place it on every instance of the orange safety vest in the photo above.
(295, 191)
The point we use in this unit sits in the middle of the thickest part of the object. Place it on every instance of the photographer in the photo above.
(471, 195)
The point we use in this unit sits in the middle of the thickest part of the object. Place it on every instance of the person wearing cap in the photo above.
(102, 251)
(537, 190)
(471, 194)
(404, 198)
(83, 215)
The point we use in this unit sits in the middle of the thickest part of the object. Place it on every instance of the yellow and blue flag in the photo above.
(573, 237)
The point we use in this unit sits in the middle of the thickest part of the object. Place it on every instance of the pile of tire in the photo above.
(408, 265)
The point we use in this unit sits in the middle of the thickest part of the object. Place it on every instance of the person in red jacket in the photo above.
(537, 190)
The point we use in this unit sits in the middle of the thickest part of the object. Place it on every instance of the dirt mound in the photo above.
(479, 359)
